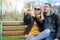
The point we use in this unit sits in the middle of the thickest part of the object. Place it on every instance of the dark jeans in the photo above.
(51, 36)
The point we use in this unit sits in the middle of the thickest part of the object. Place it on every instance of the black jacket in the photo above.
(56, 21)
(58, 27)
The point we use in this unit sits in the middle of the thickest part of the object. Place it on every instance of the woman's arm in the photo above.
(26, 18)
(30, 23)
(39, 22)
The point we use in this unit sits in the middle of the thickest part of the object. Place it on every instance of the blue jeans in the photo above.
(40, 36)
(51, 36)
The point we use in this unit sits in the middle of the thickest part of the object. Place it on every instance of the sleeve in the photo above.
(26, 18)
(40, 22)
(29, 25)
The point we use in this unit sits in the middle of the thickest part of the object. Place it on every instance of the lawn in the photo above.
(12, 37)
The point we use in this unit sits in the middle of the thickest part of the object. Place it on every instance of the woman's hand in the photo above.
(32, 14)
(26, 35)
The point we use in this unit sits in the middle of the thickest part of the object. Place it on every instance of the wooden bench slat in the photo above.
(12, 33)
(13, 29)
(6, 33)
(12, 23)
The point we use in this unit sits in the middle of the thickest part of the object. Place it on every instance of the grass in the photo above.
(13, 37)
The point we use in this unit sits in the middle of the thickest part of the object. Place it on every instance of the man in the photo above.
(51, 21)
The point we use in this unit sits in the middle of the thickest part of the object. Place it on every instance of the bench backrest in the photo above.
(21, 28)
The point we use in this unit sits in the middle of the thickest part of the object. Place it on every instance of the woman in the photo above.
(34, 30)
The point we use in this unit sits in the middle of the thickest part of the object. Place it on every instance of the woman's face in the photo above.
(37, 10)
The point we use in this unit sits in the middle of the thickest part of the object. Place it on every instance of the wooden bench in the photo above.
(5, 30)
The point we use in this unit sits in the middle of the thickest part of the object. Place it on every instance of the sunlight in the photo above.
(11, 5)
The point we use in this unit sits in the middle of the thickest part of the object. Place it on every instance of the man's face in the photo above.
(46, 8)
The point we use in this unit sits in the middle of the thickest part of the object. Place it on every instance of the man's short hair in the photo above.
(48, 4)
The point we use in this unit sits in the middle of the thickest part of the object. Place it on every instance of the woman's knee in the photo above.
(30, 37)
(47, 31)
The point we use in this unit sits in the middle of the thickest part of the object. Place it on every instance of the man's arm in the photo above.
(58, 25)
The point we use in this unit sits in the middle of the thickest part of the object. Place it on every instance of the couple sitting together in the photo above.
(42, 25)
